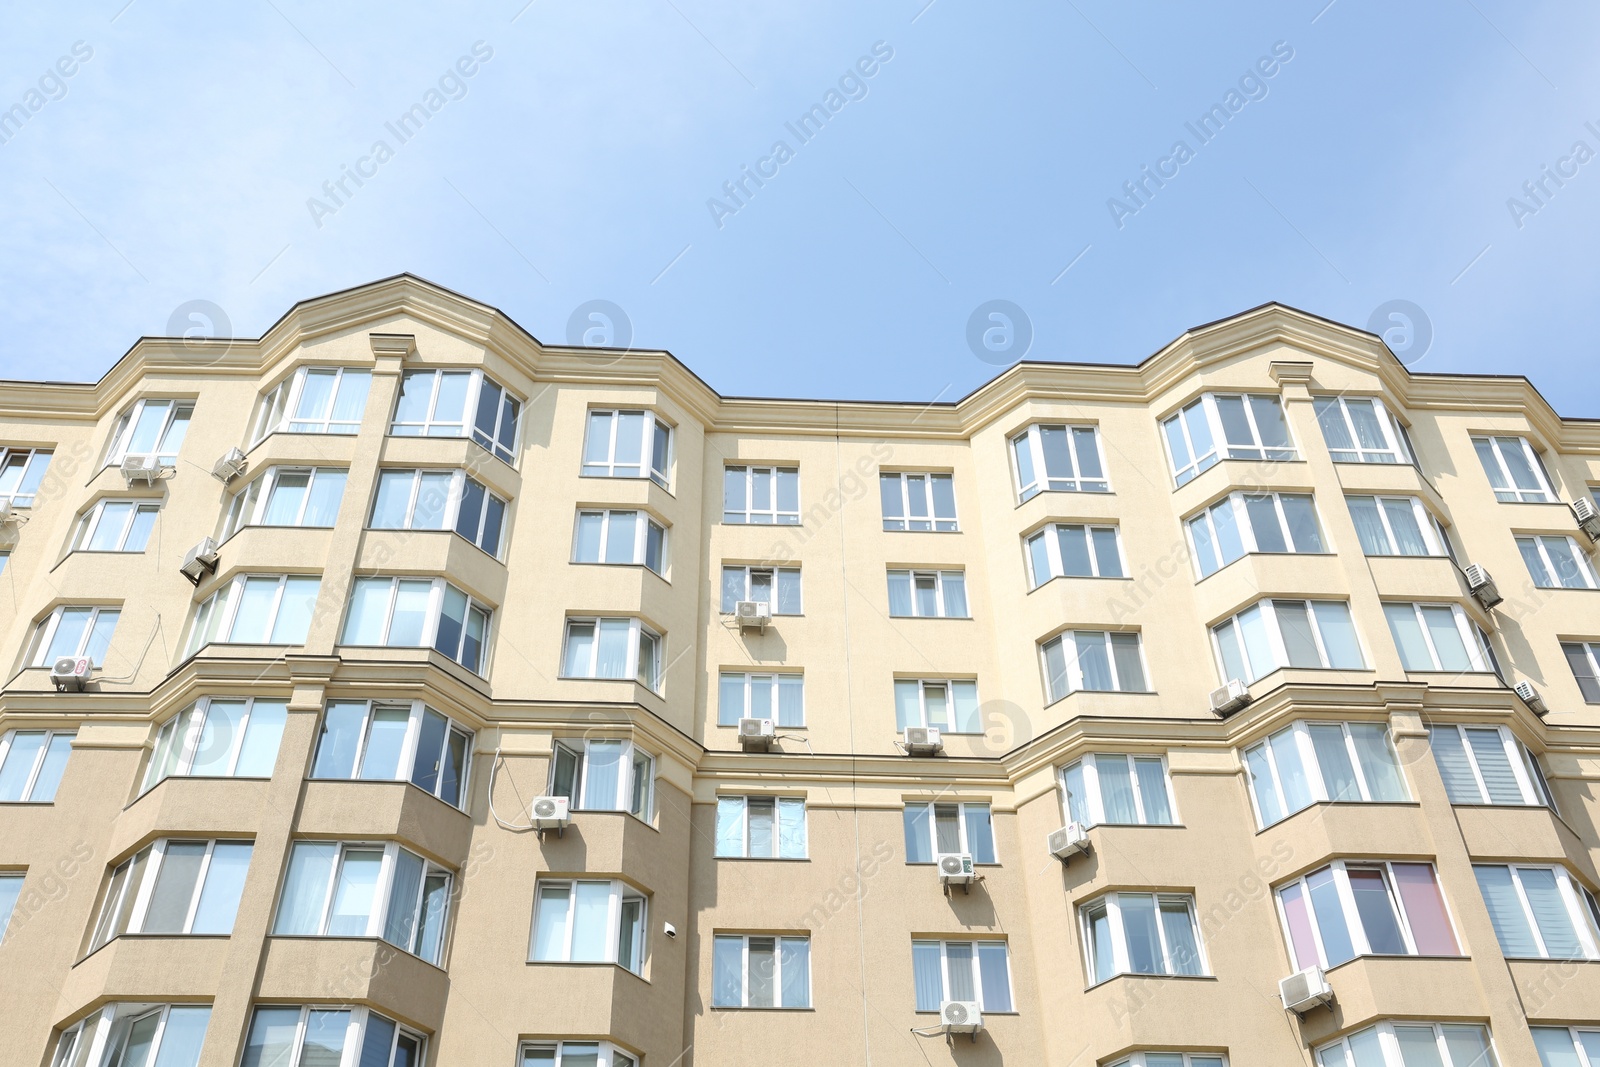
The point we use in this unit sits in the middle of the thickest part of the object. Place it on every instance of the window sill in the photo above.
(1103, 692)
(1568, 588)
(587, 678)
(1080, 577)
(765, 859)
(725, 522)
(1138, 826)
(887, 529)
(935, 618)
(733, 1007)
(629, 478)
(986, 1012)
(932, 863)
(1132, 974)
(1086, 492)
(776, 724)
(775, 615)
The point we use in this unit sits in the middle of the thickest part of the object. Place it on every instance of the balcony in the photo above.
(363, 970)
(357, 811)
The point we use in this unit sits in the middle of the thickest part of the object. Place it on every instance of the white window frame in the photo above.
(771, 679)
(940, 577)
(778, 804)
(1203, 461)
(1360, 945)
(128, 422)
(641, 538)
(620, 893)
(777, 940)
(1031, 439)
(1471, 637)
(1574, 1034)
(1050, 532)
(1189, 1059)
(964, 841)
(46, 632)
(1510, 494)
(89, 522)
(117, 891)
(948, 684)
(631, 757)
(249, 505)
(934, 522)
(33, 457)
(451, 513)
(609, 1054)
(89, 1041)
(191, 722)
(1094, 800)
(751, 515)
(1432, 529)
(1391, 1047)
(275, 408)
(405, 763)
(438, 589)
(638, 633)
(382, 893)
(1120, 964)
(1068, 640)
(1238, 505)
(1524, 766)
(433, 426)
(1393, 434)
(234, 590)
(1274, 633)
(773, 599)
(1539, 544)
(658, 472)
(355, 1032)
(1591, 653)
(1311, 766)
(977, 970)
(1580, 904)
(9, 738)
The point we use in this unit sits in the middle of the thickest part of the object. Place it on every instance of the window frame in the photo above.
(1111, 903)
(1390, 1048)
(1582, 1048)
(1049, 535)
(1479, 657)
(1580, 557)
(940, 579)
(1578, 901)
(1094, 797)
(638, 633)
(187, 748)
(963, 838)
(271, 417)
(1187, 1059)
(439, 589)
(28, 479)
(641, 539)
(779, 574)
(1237, 503)
(1031, 437)
(470, 409)
(1428, 525)
(1393, 433)
(111, 914)
(1073, 669)
(128, 423)
(948, 684)
(451, 512)
(89, 521)
(1207, 403)
(410, 747)
(777, 940)
(1273, 631)
(778, 804)
(1354, 922)
(977, 971)
(356, 1029)
(1589, 651)
(200, 622)
(30, 784)
(620, 893)
(936, 523)
(1545, 492)
(383, 895)
(1524, 764)
(249, 506)
(660, 473)
(609, 1053)
(1311, 768)
(776, 515)
(749, 682)
(45, 634)
(116, 1020)
(629, 760)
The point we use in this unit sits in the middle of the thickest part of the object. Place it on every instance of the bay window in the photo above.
(219, 737)
(1540, 912)
(1117, 789)
(627, 444)
(1584, 659)
(313, 1035)
(174, 887)
(629, 537)
(938, 828)
(928, 594)
(754, 827)
(1141, 933)
(418, 613)
(1271, 634)
(1253, 522)
(951, 704)
(752, 695)
(1437, 637)
(1396, 526)
(313, 400)
(1514, 470)
(1567, 1046)
(761, 971)
(763, 496)
(1316, 762)
(31, 764)
(1349, 909)
(1556, 562)
(918, 501)
(287, 496)
(613, 647)
(22, 471)
(458, 403)
(573, 1054)
(1392, 1044)
(439, 500)
(116, 525)
(589, 921)
(1173, 1059)
(343, 889)
(961, 970)
(1360, 429)
(372, 740)
(1074, 550)
(598, 774)
(151, 429)
(778, 587)
(1487, 765)
(75, 630)
(1226, 425)
(1098, 661)
(1058, 458)
(131, 1034)
(256, 609)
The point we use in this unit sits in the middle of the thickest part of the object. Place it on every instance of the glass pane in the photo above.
(735, 502)
(410, 615)
(1153, 791)
(980, 832)
(341, 736)
(1403, 521)
(927, 974)
(51, 769)
(219, 898)
(452, 616)
(393, 500)
(1101, 949)
(287, 496)
(1447, 642)
(351, 399)
(1506, 913)
(994, 977)
(1264, 524)
(760, 990)
(1205, 551)
(416, 389)
(1494, 765)
(1516, 460)
(1330, 416)
(405, 893)
(1116, 789)
(271, 1040)
(305, 888)
(622, 537)
(927, 595)
(1424, 908)
(1550, 913)
(168, 909)
(958, 971)
(214, 753)
(1301, 939)
(1090, 647)
(107, 536)
(326, 1032)
(1261, 784)
(1291, 772)
(603, 779)
(1258, 648)
(791, 700)
(1302, 518)
(1368, 429)
(1230, 542)
(18, 767)
(450, 406)
(944, 500)
(946, 828)
(435, 899)
(369, 607)
(760, 813)
(955, 594)
(430, 750)
(919, 834)
(629, 935)
(899, 593)
(890, 496)
(1139, 927)
(182, 1037)
(1055, 663)
(1088, 449)
(629, 455)
(792, 828)
(433, 500)
(795, 965)
(1378, 763)
(727, 972)
(1235, 425)
(1338, 634)
(1555, 1047)
(295, 608)
(590, 922)
(1077, 798)
(1336, 944)
(1108, 562)
(355, 896)
(580, 650)
(730, 826)
(1271, 428)
(1338, 773)
(1074, 542)
(1419, 1046)
(1371, 893)
(1183, 952)
(386, 737)
(1294, 624)
(1057, 456)
(1414, 654)
(327, 490)
(377, 1042)
(1369, 526)
(550, 925)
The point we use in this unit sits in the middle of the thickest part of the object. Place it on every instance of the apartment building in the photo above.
(399, 690)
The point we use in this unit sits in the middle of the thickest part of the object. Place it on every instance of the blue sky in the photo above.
(581, 160)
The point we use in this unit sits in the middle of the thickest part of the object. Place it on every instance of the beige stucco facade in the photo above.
(855, 895)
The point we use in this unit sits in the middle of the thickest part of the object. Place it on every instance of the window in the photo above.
(1360, 430)
(1514, 469)
(287, 496)
(151, 429)
(589, 921)
(574, 1054)
(450, 403)
(314, 1036)
(755, 971)
(219, 737)
(1095, 660)
(1251, 426)
(961, 970)
(1349, 909)
(31, 764)
(1562, 1046)
(256, 609)
(613, 648)
(1173, 1059)
(939, 829)
(336, 889)
(604, 775)
(313, 400)
(125, 1034)
(1287, 633)
(1584, 659)
(627, 444)
(776, 586)
(1396, 526)
(761, 496)
(116, 526)
(174, 887)
(418, 613)
(620, 537)
(439, 500)
(1556, 562)
(1058, 459)
(1411, 1045)
(1141, 933)
(1315, 762)
(761, 828)
(779, 697)
(369, 740)
(928, 594)
(951, 704)
(75, 631)
(21, 472)
(1117, 789)
(918, 502)
(10, 890)
(1487, 765)
(1540, 912)
(1253, 522)
(1073, 550)
(1436, 637)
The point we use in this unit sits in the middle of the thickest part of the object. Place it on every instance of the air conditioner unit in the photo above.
(753, 614)
(923, 740)
(554, 811)
(961, 1017)
(955, 868)
(200, 560)
(756, 733)
(1481, 586)
(1229, 698)
(1068, 841)
(6, 514)
(141, 469)
(70, 672)
(230, 466)
(1305, 990)
(1530, 696)
(1588, 517)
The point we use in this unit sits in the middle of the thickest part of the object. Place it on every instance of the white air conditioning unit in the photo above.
(961, 1017)
(141, 469)
(1229, 698)
(955, 868)
(70, 672)
(1481, 586)
(200, 560)
(923, 740)
(230, 466)
(1068, 841)
(1530, 696)
(1305, 990)
(554, 811)
(753, 614)
(1588, 517)
(756, 733)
